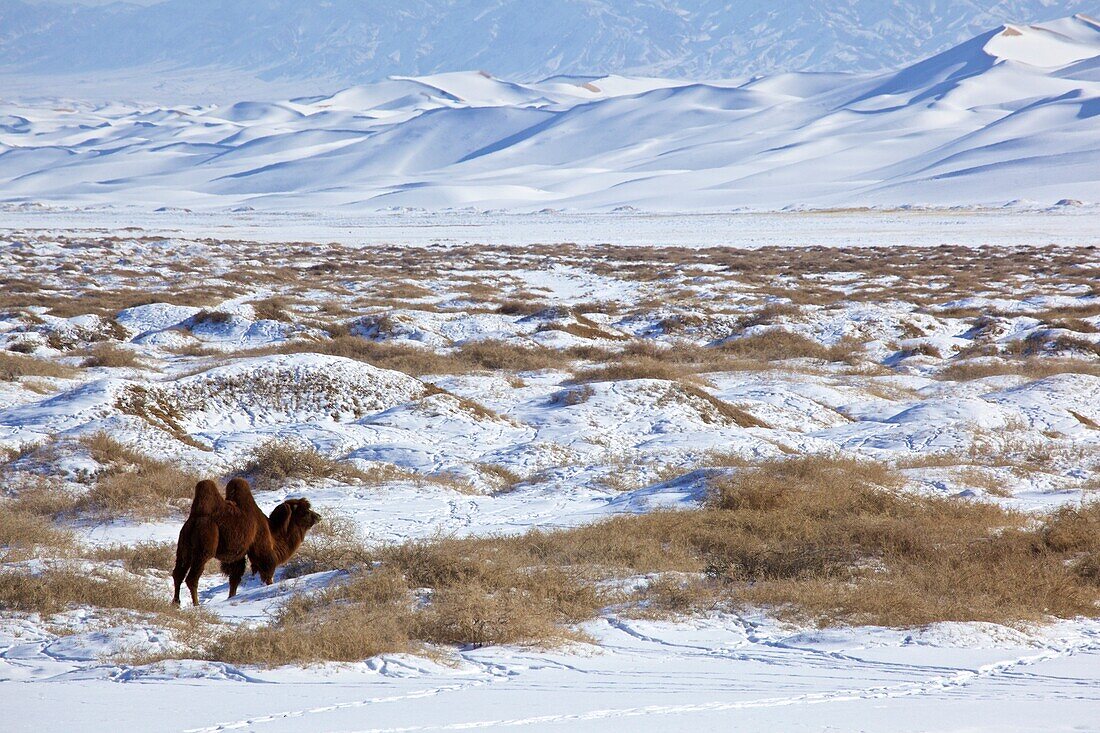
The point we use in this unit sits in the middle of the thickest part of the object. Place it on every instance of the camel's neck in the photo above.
(286, 544)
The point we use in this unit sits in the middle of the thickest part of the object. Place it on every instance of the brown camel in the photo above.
(234, 528)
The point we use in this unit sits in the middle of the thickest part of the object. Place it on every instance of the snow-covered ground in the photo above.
(236, 370)
(1022, 223)
(712, 674)
(1011, 114)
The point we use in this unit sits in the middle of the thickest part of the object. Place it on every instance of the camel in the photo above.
(233, 529)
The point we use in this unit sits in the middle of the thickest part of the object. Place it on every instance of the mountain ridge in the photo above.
(345, 42)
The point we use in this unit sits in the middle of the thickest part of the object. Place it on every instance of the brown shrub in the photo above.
(501, 355)
(780, 344)
(521, 307)
(55, 590)
(924, 349)
(1032, 368)
(1074, 529)
(770, 314)
(13, 366)
(133, 483)
(278, 461)
(105, 354)
(273, 308)
(209, 317)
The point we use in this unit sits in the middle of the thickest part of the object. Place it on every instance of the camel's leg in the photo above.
(267, 573)
(264, 566)
(183, 562)
(235, 571)
(197, 565)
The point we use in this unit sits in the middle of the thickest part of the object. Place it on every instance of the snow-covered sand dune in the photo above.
(1011, 114)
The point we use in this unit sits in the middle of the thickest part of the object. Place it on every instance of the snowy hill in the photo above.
(349, 41)
(1013, 113)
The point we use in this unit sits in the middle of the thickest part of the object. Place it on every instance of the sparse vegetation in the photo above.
(13, 366)
(278, 461)
(1031, 368)
(822, 538)
(133, 483)
(817, 537)
(105, 354)
(57, 589)
(23, 534)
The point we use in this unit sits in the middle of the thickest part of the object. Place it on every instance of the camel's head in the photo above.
(293, 517)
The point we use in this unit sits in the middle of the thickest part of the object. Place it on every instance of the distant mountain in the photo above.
(1013, 113)
(357, 41)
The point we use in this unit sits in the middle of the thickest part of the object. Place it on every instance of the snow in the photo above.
(643, 675)
(1006, 115)
(606, 450)
(991, 141)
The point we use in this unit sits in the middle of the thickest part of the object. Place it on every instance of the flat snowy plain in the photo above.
(977, 385)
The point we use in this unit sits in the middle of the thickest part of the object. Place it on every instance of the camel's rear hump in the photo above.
(207, 499)
(240, 493)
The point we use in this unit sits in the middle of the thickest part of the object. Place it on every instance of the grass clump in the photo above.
(55, 590)
(106, 354)
(13, 366)
(24, 534)
(1030, 368)
(279, 460)
(779, 345)
(140, 556)
(134, 484)
(636, 367)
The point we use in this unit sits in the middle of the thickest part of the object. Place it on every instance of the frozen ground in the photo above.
(1030, 224)
(974, 369)
(711, 674)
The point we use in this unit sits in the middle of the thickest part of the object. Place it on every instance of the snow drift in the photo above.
(1014, 113)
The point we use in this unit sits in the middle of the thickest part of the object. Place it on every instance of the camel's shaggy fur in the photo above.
(234, 528)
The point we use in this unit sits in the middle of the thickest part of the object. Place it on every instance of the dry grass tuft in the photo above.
(13, 366)
(24, 534)
(502, 478)
(40, 497)
(636, 367)
(56, 590)
(140, 556)
(780, 344)
(724, 410)
(133, 483)
(1030, 368)
(335, 543)
(105, 354)
(273, 308)
(277, 461)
